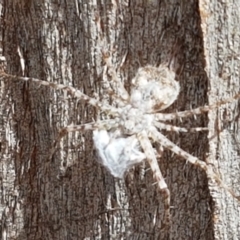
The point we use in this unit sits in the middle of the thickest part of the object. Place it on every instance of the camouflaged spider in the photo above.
(126, 138)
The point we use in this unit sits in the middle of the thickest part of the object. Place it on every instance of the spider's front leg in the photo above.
(71, 90)
(119, 93)
(157, 175)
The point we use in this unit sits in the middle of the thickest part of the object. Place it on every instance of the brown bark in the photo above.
(70, 196)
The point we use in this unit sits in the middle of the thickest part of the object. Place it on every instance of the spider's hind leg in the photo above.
(157, 175)
(166, 143)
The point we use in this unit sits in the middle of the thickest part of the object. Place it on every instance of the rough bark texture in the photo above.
(221, 36)
(70, 196)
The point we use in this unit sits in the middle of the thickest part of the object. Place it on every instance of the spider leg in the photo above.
(74, 92)
(172, 128)
(196, 111)
(117, 99)
(121, 93)
(165, 142)
(157, 175)
(104, 124)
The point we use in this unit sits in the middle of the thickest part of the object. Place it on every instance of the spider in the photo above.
(126, 138)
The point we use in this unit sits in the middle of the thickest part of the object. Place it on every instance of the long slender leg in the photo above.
(172, 128)
(104, 124)
(196, 111)
(118, 99)
(157, 175)
(118, 87)
(165, 142)
(74, 92)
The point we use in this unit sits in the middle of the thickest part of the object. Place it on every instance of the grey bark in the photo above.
(221, 44)
(70, 196)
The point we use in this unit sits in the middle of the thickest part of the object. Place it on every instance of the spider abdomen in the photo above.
(154, 89)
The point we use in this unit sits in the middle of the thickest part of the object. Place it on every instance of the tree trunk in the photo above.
(68, 194)
(221, 38)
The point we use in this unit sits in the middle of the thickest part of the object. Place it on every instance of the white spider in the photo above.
(135, 123)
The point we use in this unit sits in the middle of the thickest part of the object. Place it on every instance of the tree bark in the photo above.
(69, 195)
(221, 41)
